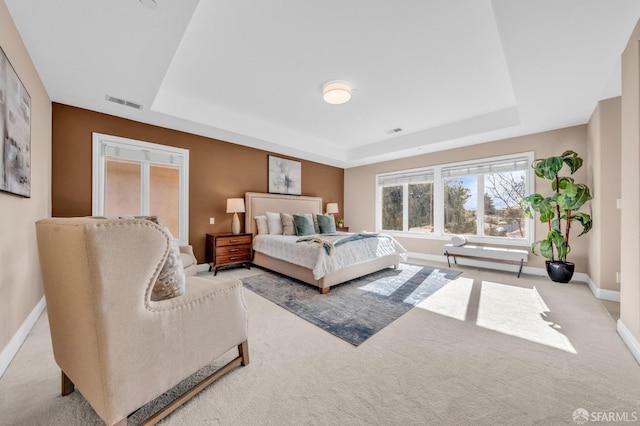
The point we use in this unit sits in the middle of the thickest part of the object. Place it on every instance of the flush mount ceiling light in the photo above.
(336, 92)
(151, 4)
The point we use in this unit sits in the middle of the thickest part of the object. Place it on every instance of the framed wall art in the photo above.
(285, 176)
(15, 132)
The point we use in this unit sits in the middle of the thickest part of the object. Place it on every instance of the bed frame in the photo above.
(257, 204)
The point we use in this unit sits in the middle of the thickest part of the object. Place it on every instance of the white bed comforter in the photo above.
(313, 256)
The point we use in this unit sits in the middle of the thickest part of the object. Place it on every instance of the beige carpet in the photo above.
(491, 349)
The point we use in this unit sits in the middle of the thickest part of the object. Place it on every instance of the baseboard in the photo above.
(578, 276)
(202, 267)
(18, 339)
(629, 339)
(598, 292)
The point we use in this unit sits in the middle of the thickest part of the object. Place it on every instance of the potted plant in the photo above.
(559, 210)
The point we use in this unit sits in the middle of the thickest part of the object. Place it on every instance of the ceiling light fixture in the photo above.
(151, 4)
(336, 92)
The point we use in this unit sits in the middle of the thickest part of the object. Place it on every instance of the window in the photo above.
(480, 199)
(140, 178)
(407, 201)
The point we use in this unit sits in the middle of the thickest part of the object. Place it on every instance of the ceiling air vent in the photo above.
(123, 102)
(392, 131)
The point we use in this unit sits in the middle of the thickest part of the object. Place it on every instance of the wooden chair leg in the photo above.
(324, 290)
(67, 385)
(243, 349)
(242, 359)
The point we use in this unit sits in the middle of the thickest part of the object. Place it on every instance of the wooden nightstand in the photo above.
(343, 229)
(228, 249)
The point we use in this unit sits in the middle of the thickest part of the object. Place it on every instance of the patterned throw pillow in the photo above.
(171, 281)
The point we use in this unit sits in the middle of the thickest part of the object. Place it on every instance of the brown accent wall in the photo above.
(360, 184)
(218, 170)
(20, 281)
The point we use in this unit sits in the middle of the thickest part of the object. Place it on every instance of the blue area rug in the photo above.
(357, 309)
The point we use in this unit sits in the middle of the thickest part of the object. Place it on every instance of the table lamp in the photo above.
(235, 206)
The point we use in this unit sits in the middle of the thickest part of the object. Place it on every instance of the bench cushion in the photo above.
(488, 252)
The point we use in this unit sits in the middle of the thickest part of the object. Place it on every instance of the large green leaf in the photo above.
(531, 204)
(537, 203)
(546, 210)
(547, 168)
(581, 196)
(562, 248)
(584, 219)
(562, 182)
(569, 187)
(572, 160)
(546, 249)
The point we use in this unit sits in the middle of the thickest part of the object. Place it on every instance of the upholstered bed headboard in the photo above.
(257, 203)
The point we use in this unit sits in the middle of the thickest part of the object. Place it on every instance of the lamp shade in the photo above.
(332, 208)
(235, 205)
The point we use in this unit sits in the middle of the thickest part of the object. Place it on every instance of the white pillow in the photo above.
(458, 240)
(263, 226)
(274, 222)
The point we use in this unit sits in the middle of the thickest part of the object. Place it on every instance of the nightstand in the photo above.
(228, 249)
(343, 229)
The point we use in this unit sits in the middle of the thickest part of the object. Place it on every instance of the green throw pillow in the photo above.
(326, 223)
(304, 224)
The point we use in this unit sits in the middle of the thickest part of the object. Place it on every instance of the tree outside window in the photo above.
(459, 208)
(421, 207)
(392, 207)
(503, 214)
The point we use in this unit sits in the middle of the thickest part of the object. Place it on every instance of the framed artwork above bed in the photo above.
(285, 176)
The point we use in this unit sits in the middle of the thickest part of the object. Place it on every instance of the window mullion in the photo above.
(438, 202)
(480, 209)
(144, 188)
(405, 207)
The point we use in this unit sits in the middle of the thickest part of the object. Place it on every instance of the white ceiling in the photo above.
(449, 73)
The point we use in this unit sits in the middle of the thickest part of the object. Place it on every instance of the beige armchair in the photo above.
(119, 348)
(189, 261)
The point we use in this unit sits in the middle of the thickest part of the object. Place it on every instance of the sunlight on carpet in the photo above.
(408, 275)
(507, 309)
(519, 312)
(451, 301)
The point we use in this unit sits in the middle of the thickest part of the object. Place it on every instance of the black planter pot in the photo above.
(560, 272)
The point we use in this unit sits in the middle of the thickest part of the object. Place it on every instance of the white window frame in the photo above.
(438, 202)
(147, 153)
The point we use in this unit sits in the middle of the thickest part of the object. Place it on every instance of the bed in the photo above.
(257, 204)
